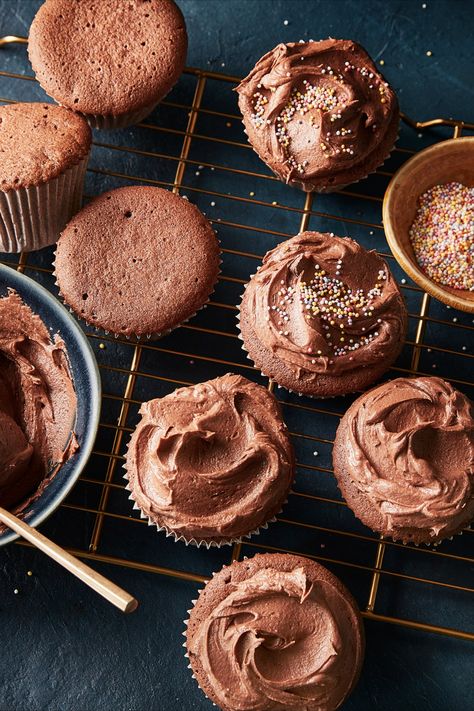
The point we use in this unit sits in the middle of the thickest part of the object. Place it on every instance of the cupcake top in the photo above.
(137, 261)
(37, 403)
(409, 453)
(38, 142)
(212, 461)
(317, 111)
(275, 632)
(107, 57)
(325, 306)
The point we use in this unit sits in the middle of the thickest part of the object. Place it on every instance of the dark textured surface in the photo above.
(63, 647)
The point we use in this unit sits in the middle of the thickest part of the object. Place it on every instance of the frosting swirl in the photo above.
(37, 404)
(323, 304)
(410, 450)
(277, 640)
(211, 461)
(318, 111)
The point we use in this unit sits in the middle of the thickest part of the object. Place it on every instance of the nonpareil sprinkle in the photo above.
(442, 235)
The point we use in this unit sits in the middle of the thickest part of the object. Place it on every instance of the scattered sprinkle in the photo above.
(403, 281)
(315, 453)
(382, 62)
(197, 172)
(429, 53)
(16, 591)
(274, 202)
(102, 346)
(222, 64)
(29, 573)
(442, 235)
(213, 204)
(252, 194)
(285, 22)
(228, 124)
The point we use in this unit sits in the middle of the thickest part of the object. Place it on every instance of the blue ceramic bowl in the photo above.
(86, 378)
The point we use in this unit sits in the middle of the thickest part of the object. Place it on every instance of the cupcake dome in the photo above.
(275, 632)
(404, 459)
(44, 151)
(112, 61)
(137, 261)
(211, 462)
(322, 316)
(319, 113)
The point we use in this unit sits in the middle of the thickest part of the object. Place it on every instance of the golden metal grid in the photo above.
(113, 456)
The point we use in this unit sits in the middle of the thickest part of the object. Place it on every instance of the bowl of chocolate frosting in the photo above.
(49, 400)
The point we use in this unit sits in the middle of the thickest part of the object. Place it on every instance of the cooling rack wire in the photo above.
(380, 569)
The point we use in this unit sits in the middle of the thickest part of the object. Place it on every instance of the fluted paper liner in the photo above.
(207, 543)
(109, 122)
(32, 218)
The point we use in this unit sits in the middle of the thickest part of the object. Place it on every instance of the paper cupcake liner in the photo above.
(198, 543)
(32, 218)
(185, 635)
(109, 122)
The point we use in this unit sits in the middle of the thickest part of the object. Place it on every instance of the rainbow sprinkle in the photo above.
(442, 235)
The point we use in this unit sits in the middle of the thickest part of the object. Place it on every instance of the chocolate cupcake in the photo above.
(275, 632)
(111, 61)
(212, 462)
(44, 152)
(404, 459)
(137, 261)
(322, 316)
(319, 114)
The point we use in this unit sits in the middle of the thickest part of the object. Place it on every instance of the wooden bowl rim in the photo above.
(414, 272)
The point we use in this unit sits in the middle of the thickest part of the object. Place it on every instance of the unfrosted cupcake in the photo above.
(275, 632)
(404, 459)
(322, 316)
(212, 462)
(44, 152)
(137, 261)
(111, 61)
(319, 113)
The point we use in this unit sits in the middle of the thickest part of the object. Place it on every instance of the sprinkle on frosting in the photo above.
(442, 235)
(338, 306)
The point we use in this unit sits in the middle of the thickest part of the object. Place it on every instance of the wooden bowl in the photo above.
(445, 162)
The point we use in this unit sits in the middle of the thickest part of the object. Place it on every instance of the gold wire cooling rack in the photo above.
(204, 155)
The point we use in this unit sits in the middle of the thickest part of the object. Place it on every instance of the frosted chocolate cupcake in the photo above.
(137, 261)
(319, 113)
(212, 462)
(404, 459)
(275, 632)
(44, 151)
(322, 316)
(111, 61)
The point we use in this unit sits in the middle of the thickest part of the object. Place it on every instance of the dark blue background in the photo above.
(63, 647)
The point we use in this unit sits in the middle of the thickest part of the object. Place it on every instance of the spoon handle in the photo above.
(111, 592)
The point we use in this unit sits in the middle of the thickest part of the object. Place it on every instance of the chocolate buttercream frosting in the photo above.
(37, 404)
(406, 450)
(323, 306)
(211, 462)
(275, 633)
(319, 113)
